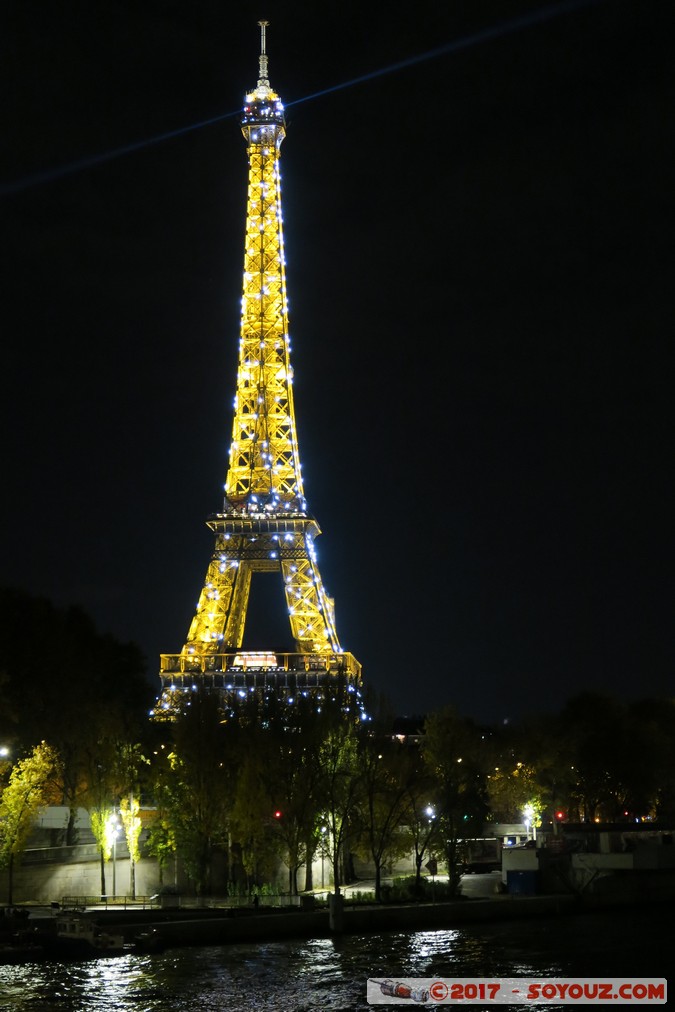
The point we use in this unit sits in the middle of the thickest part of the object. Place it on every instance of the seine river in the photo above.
(329, 975)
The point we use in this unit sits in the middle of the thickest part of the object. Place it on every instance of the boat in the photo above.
(80, 937)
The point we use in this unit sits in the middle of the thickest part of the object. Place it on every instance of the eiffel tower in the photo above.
(265, 525)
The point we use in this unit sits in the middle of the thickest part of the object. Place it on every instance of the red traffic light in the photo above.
(559, 815)
(277, 814)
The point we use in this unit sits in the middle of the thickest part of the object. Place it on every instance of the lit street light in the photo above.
(5, 763)
(529, 818)
(113, 828)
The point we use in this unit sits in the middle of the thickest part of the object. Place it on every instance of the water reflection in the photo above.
(115, 985)
(428, 945)
(330, 974)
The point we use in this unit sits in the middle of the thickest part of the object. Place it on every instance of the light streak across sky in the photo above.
(466, 42)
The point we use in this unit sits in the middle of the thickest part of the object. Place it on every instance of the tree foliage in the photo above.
(453, 752)
(31, 786)
(66, 683)
(193, 783)
(389, 772)
(264, 778)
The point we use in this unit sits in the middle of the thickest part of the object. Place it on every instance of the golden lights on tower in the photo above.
(264, 525)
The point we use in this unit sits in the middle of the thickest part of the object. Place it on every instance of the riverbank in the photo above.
(359, 919)
(157, 930)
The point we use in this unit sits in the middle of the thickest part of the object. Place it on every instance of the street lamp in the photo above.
(528, 813)
(113, 828)
(4, 760)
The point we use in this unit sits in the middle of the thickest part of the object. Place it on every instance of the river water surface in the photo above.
(329, 975)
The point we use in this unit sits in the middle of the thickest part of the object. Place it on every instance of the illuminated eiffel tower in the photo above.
(265, 525)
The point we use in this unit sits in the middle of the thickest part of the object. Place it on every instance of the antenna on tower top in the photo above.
(262, 62)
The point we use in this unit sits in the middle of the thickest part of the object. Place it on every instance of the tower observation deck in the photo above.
(265, 525)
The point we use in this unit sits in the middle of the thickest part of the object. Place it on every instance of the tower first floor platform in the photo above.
(232, 676)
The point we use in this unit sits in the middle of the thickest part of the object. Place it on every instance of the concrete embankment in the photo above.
(212, 928)
(185, 927)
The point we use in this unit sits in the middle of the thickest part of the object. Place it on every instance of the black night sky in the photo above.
(480, 275)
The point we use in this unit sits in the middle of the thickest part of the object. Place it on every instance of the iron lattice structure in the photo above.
(265, 525)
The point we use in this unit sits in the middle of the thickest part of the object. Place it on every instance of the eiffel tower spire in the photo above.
(265, 525)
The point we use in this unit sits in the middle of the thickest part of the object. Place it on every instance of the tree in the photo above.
(131, 821)
(595, 736)
(31, 786)
(161, 843)
(251, 815)
(339, 777)
(541, 746)
(511, 789)
(93, 687)
(97, 797)
(273, 799)
(386, 773)
(652, 754)
(452, 752)
(193, 785)
(422, 830)
(299, 774)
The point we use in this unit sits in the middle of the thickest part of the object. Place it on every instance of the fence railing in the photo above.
(170, 900)
(118, 902)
